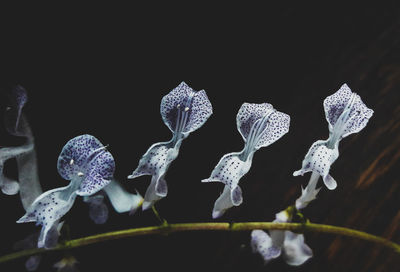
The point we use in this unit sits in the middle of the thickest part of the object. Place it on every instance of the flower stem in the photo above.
(183, 227)
(162, 220)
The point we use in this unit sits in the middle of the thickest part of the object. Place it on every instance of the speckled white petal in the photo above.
(85, 156)
(319, 159)
(275, 127)
(248, 114)
(156, 160)
(335, 104)
(49, 207)
(76, 154)
(262, 244)
(295, 252)
(121, 200)
(346, 113)
(175, 103)
(230, 169)
(200, 110)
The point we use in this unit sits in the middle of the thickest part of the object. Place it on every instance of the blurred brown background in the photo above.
(103, 70)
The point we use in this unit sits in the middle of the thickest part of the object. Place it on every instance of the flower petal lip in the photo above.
(296, 251)
(262, 244)
(49, 207)
(319, 159)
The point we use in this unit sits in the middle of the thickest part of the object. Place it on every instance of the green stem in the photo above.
(171, 228)
(162, 220)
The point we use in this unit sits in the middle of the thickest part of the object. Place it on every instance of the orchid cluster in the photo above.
(89, 167)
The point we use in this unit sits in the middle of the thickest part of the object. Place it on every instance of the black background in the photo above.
(103, 70)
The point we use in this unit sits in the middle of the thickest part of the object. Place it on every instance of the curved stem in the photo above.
(170, 228)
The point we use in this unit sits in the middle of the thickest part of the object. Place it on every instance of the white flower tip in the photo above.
(40, 244)
(282, 216)
(298, 173)
(216, 214)
(146, 205)
(136, 173)
(10, 187)
(345, 86)
(300, 204)
(210, 180)
(138, 203)
(26, 219)
(330, 182)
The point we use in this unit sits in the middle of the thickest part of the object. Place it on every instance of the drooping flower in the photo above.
(89, 167)
(260, 125)
(16, 124)
(183, 110)
(292, 245)
(346, 114)
(121, 200)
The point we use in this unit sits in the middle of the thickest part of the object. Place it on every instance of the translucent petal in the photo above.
(32, 263)
(236, 196)
(248, 114)
(261, 243)
(223, 203)
(151, 197)
(67, 264)
(17, 99)
(28, 178)
(98, 211)
(296, 252)
(53, 234)
(8, 186)
(49, 207)
(319, 159)
(121, 200)
(76, 154)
